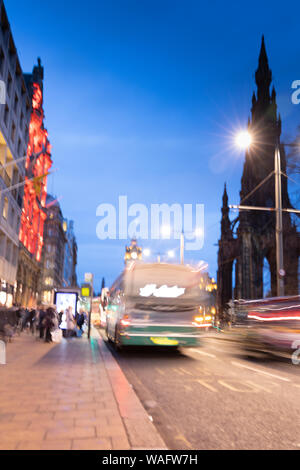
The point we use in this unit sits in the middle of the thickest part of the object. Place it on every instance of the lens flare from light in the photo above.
(243, 140)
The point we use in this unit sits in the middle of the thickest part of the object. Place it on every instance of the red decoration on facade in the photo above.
(38, 164)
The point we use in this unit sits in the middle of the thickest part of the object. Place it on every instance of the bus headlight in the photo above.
(202, 321)
(125, 321)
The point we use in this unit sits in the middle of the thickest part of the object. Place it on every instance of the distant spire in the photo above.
(225, 197)
(273, 95)
(226, 232)
(38, 73)
(263, 59)
(263, 76)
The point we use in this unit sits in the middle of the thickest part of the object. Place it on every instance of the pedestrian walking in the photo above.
(80, 319)
(50, 323)
(40, 324)
(60, 317)
(24, 319)
(70, 322)
(32, 319)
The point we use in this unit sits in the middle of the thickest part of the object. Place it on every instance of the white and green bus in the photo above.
(158, 304)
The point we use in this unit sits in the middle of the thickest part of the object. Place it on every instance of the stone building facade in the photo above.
(245, 250)
(53, 253)
(70, 261)
(37, 166)
(15, 112)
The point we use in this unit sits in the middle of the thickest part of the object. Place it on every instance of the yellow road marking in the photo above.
(203, 371)
(178, 371)
(261, 387)
(233, 389)
(186, 371)
(180, 437)
(205, 384)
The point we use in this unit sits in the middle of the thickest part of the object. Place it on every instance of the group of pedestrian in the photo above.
(26, 318)
(45, 322)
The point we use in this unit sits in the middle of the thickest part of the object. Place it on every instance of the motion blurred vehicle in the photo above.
(269, 325)
(103, 305)
(158, 304)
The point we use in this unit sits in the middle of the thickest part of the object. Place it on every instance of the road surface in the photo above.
(215, 397)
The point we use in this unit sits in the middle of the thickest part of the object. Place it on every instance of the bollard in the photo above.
(2, 353)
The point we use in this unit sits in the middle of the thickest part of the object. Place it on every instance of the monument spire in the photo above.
(263, 77)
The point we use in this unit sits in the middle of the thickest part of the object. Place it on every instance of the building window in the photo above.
(15, 256)
(16, 103)
(13, 132)
(12, 217)
(12, 47)
(1, 60)
(5, 208)
(48, 264)
(9, 84)
(47, 296)
(8, 251)
(49, 281)
(6, 113)
(2, 243)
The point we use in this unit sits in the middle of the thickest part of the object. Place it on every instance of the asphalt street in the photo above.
(216, 397)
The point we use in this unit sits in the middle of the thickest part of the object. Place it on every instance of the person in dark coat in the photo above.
(80, 319)
(50, 322)
(31, 319)
(25, 315)
(41, 326)
(60, 315)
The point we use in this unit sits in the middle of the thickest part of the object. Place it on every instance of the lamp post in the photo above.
(166, 231)
(89, 279)
(279, 237)
(182, 248)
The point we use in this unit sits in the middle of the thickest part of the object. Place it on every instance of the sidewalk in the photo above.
(71, 395)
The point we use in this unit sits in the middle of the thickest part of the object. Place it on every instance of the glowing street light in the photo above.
(244, 139)
(146, 252)
(166, 231)
(171, 254)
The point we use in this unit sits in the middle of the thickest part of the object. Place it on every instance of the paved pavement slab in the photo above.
(71, 395)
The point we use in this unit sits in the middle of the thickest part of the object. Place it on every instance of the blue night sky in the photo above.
(141, 99)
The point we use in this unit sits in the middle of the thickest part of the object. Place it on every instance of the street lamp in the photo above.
(146, 252)
(244, 140)
(166, 232)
